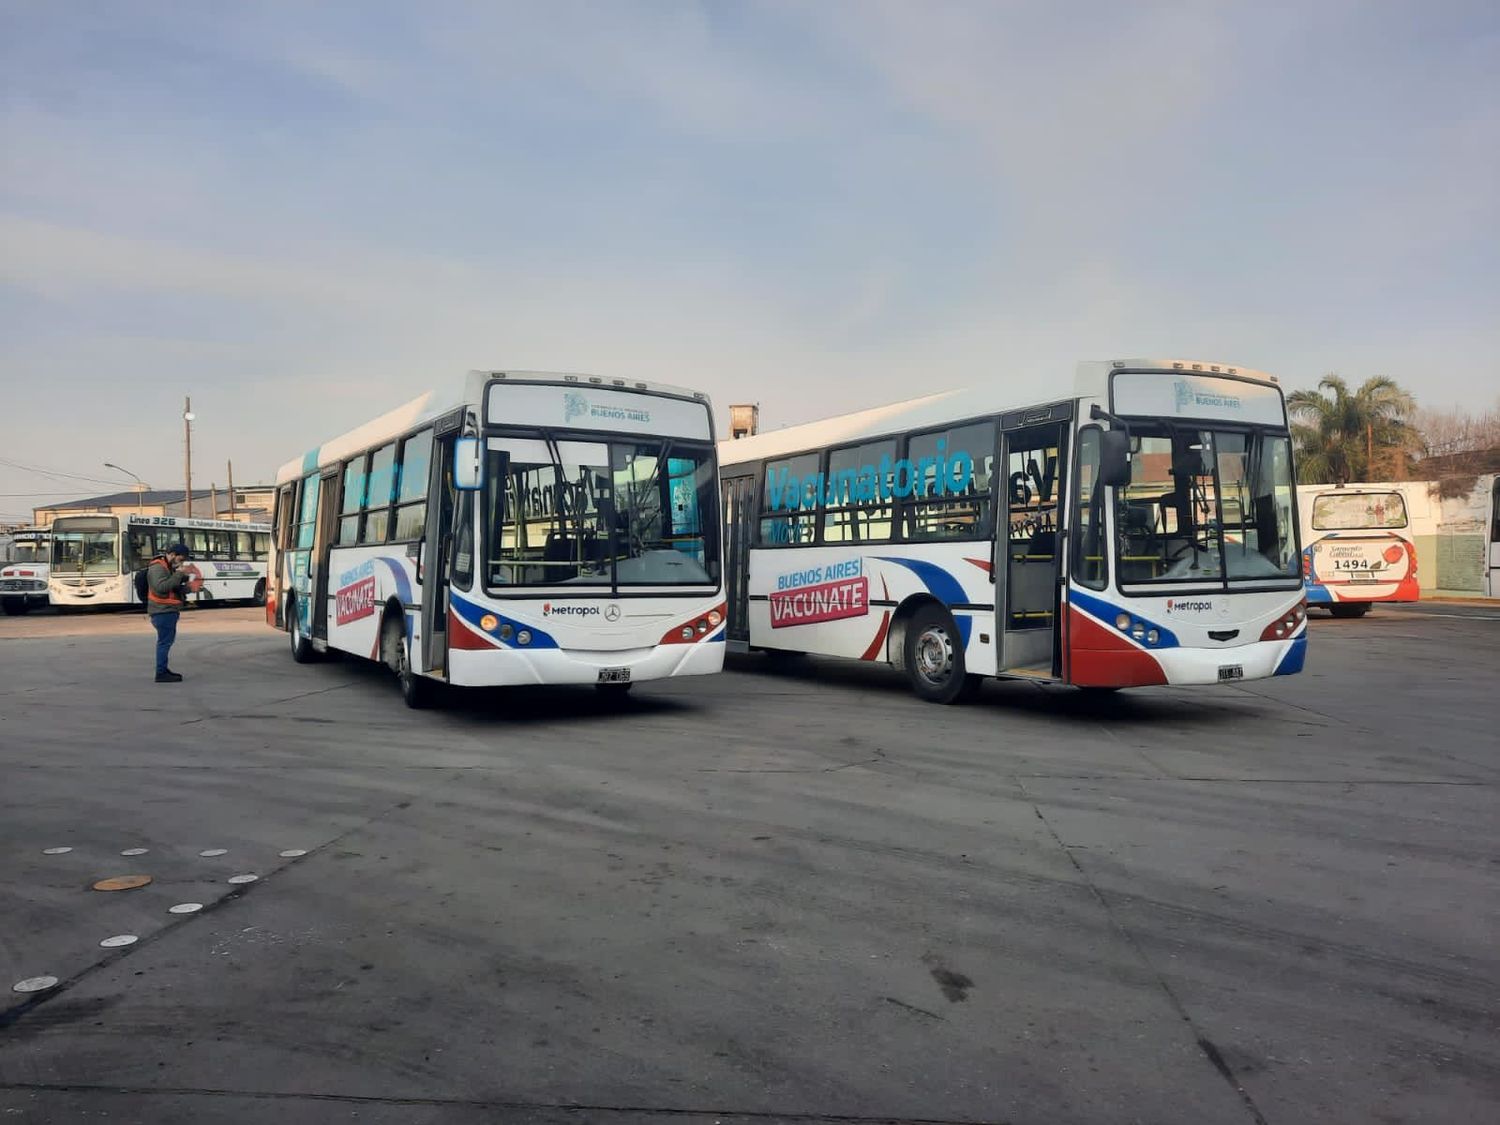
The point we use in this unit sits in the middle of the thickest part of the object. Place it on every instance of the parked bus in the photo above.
(519, 528)
(1141, 530)
(23, 578)
(95, 557)
(1357, 547)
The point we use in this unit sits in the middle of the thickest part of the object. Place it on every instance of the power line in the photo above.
(54, 473)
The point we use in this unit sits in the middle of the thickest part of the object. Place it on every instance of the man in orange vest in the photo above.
(165, 584)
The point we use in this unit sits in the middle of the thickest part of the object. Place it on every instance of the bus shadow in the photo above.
(554, 703)
(1049, 701)
(528, 703)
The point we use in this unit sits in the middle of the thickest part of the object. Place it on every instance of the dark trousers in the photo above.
(166, 633)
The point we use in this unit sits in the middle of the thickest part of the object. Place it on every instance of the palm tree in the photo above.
(1344, 436)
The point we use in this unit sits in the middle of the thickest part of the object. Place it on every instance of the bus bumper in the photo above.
(1257, 661)
(515, 666)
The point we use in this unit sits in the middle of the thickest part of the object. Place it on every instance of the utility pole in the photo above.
(187, 434)
(230, 465)
(213, 501)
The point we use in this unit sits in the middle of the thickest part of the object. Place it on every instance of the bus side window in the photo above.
(260, 545)
(793, 494)
(141, 548)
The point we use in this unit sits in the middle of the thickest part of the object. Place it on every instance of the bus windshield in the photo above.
(608, 513)
(30, 553)
(1347, 511)
(86, 547)
(1207, 505)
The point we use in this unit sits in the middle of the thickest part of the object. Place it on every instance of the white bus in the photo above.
(95, 557)
(23, 578)
(1140, 530)
(518, 528)
(1358, 546)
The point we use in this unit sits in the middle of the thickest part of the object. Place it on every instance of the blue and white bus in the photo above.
(515, 528)
(1141, 529)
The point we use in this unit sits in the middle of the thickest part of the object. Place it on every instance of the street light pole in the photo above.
(187, 434)
(140, 487)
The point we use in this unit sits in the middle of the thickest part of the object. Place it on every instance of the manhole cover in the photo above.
(119, 940)
(135, 851)
(34, 984)
(238, 879)
(293, 853)
(185, 908)
(209, 853)
(56, 851)
(122, 882)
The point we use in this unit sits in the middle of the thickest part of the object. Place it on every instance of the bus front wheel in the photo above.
(933, 655)
(416, 690)
(1349, 609)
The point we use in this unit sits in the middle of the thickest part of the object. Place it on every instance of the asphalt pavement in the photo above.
(781, 894)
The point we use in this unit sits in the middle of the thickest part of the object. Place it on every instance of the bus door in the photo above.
(434, 567)
(739, 528)
(1493, 576)
(328, 517)
(279, 580)
(1033, 456)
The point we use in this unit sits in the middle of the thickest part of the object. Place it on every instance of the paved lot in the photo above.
(764, 897)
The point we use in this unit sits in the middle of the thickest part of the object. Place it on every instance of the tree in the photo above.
(1458, 446)
(1344, 435)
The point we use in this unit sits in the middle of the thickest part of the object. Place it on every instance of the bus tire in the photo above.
(1349, 609)
(13, 607)
(933, 656)
(259, 597)
(302, 650)
(416, 690)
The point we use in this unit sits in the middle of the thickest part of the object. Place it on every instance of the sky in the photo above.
(304, 214)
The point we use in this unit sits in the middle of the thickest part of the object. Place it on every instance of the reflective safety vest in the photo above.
(169, 599)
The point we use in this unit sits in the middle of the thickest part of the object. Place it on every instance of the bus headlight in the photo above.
(488, 622)
(523, 637)
(1139, 631)
(687, 632)
(1153, 636)
(1122, 621)
(714, 617)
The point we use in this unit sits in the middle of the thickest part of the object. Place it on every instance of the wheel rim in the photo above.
(934, 655)
(296, 627)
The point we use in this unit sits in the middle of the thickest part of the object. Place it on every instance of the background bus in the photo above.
(1141, 531)
(519, 528)
(23, 578)
(1357, 547)
(95, 557)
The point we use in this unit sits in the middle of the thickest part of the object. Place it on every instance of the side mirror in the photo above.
(468, 464)
(1114, 457)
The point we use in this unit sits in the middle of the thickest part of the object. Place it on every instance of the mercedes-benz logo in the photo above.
(611, 613)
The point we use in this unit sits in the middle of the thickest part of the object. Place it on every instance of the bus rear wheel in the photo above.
(302, 650)
(1349, 609)
(260, 593)
(933, 655)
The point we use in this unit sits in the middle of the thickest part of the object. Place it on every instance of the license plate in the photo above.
(1231, 672)
(1362, 576)
(614, 675)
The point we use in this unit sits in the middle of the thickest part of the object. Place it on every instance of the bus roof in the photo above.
(186, 523)
(429, 405)
(1091, 380)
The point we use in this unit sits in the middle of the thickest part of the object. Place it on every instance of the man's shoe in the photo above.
(168, 678)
